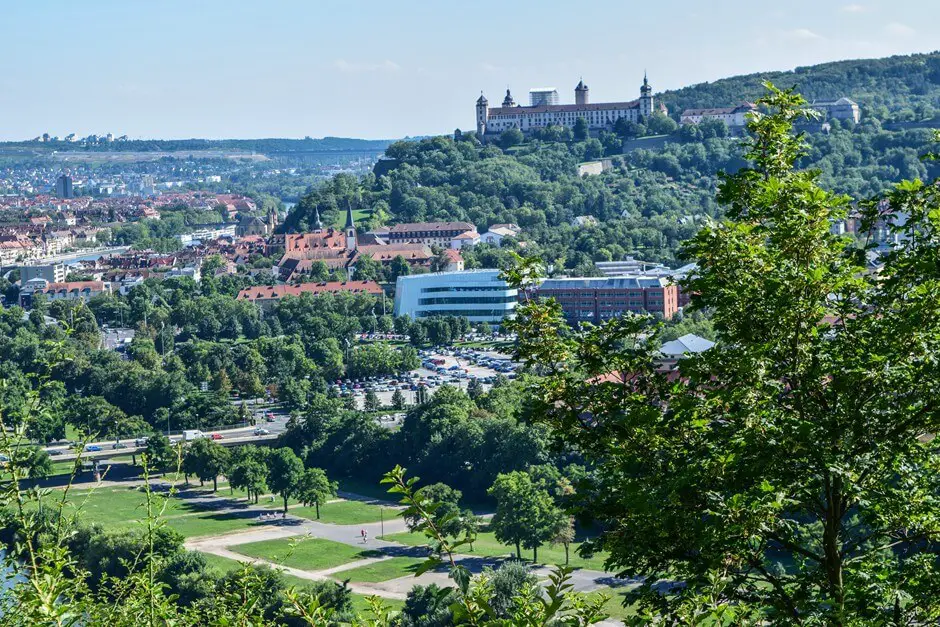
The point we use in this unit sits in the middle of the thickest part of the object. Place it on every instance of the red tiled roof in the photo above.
(266, 292)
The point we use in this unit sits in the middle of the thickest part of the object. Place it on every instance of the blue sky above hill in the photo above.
(290, 68)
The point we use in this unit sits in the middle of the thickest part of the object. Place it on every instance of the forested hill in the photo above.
(894, 88)
(651, 199)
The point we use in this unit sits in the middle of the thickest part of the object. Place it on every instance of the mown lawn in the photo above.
(125, 508)
(361, 607)
(486, 545)
(117, 507)
(305, 554)
(344, 512)
(614, 605)
(382, 571)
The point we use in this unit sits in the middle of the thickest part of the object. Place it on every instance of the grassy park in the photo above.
(384, 570)
(486, 545)
(304, 553)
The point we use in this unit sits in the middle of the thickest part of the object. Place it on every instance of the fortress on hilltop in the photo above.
(543, 110)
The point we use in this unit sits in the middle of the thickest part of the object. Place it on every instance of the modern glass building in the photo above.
(478, 295)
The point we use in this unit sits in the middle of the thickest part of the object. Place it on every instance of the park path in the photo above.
(292, 526)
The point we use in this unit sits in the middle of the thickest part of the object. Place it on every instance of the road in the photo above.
(230, 437)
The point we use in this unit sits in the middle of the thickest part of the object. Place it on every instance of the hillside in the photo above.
(651, 200)
(900, 87)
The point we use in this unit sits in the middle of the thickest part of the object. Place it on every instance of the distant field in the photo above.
(306, 553)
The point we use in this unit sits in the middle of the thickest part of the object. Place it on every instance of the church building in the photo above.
(541, 111)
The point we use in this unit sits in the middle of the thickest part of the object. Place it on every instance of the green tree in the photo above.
(398, 399)
(371, 401)
(428, 606)
(508, 582)
(315, 488)
(511, 137)
(563, 532)
(447, 502)
(207, 459)
(787, 479)
(285, 473)
(161, 454)
(580, 129)
(247, 470)
(398, 267)
(524, 514)
(367, 269)
(34, 461)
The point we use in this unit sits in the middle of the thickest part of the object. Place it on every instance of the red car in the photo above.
(216, 436)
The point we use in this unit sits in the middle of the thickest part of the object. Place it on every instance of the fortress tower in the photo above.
(482, 114)
(581, 93)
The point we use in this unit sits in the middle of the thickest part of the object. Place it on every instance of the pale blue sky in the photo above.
(390, 68)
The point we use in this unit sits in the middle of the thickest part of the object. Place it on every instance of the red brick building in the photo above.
(598, 299)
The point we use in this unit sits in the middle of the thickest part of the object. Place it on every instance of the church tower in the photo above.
(483, 113)
(272, 221)
(508, 101)
(350, 228)
(317, 224)
(646, 98)
(581, 93)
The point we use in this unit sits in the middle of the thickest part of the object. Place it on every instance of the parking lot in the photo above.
(457, 367)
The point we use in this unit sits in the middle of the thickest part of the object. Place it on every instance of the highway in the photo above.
(230, 437)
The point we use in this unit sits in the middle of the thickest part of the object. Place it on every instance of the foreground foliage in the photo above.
(789, 475)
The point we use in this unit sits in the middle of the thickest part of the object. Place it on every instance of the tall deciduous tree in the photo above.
(785, 476)
(315, 488)
(398, 399)
(161, 454)
(247, 470)
(285, 471)
(525, 513)
(207, 459)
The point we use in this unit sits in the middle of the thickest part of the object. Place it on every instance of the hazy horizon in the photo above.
(236, 70)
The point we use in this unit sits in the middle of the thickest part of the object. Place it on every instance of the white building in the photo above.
(470, 238)
(733, 117)
(495, 234)
(51, 272)
(841, 109)
(544, 111)
(478, 295)
(73, 290)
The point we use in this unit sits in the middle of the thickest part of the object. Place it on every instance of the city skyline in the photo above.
(371, 70)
